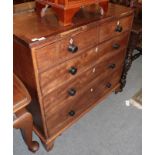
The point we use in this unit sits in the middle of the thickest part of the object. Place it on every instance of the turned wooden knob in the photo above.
(73, 70)
(112, 66)
(72, 92)
(118, 28)
(108, 85)
(72, 48)
(71, 113)
(116, 46)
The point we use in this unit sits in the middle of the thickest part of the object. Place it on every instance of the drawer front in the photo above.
(68, 70)
(113, 28)
(114, 45)
(64, 115)
(64, 49)
(72, 89)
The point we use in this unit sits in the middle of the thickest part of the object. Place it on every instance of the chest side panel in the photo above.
(24, 69)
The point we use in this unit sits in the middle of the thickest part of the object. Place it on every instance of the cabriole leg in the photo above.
(25, 123)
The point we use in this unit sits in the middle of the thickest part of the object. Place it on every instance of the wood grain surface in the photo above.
(93, 47)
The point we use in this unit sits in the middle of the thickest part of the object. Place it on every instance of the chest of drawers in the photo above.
(69, 70)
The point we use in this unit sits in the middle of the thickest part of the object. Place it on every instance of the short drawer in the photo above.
(68, 70)
(115, 27)
(64, 49)
(72, 89)
(64, 115)
(113, 45)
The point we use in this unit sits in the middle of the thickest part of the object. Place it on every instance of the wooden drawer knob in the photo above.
(118, 28)
(71, 113)
(108, 85)
(73, 70)
(72, 92)
(116, 46)
(112, 66)
(72, 48)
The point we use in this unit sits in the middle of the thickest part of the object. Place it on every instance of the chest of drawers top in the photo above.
(28, 27)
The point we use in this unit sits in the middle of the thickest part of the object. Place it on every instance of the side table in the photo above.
(22, 118)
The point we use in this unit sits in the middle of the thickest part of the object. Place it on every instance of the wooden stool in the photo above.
(22, 118)
(66, 9)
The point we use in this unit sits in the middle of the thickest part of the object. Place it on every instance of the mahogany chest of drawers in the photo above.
(69, 70)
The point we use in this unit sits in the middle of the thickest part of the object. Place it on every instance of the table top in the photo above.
(21, 97)
(28, 25)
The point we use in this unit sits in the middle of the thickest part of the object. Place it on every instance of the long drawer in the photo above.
(66, 48)
(62, 116)
(68, 70)
(113, 28)
(72, 89)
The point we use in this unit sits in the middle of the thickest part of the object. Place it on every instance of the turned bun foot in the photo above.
(48, 146)
(118, 90)
(34, 146)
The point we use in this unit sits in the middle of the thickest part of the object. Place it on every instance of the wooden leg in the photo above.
(41, 9)
(104, 7)
(127, 65)
(48, 146)
(65, 16)
(117, 90)
(25, 123)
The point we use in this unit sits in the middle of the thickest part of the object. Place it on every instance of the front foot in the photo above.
(48, 146)
(118, 90)
(34, 146)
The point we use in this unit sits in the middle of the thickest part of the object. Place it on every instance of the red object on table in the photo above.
(66, 9)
